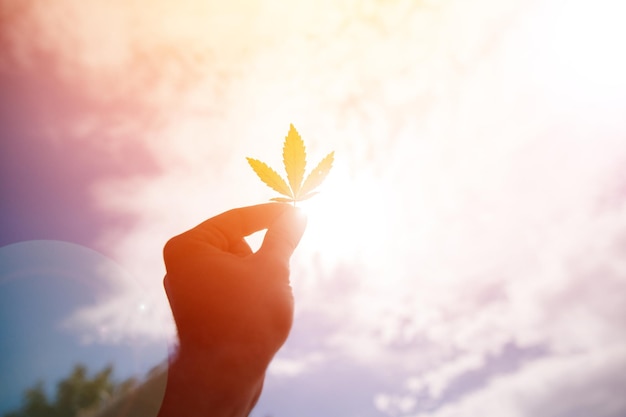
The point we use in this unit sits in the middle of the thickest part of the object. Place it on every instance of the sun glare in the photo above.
(584, 45)
(346, 221)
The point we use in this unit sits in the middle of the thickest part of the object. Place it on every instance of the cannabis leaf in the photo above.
(294, 158)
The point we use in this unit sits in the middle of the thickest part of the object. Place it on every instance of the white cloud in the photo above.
(438, 381)
(394, 405)
(573, 385)
(283, 366)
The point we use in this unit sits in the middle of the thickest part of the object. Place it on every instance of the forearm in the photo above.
(212, 382)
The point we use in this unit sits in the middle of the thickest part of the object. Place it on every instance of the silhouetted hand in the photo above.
(233, 308)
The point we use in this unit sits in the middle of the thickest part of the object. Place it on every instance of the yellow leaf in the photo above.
(294, 158)
(282, 200)
(319, 173)
(270, 177)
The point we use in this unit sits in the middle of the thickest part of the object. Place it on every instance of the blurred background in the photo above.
(466, 255)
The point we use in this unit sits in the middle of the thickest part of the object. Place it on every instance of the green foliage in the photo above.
(76, 393)
(35, 403)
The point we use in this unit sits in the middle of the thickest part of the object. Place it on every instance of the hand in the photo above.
(233, 308)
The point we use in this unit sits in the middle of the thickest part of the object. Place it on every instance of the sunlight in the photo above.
(347, 220)
(584, 44)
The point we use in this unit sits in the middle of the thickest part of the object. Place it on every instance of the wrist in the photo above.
(215, 382)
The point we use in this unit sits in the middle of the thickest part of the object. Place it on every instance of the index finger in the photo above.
(229, 228)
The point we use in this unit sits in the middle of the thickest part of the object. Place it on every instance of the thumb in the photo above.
(283, 235)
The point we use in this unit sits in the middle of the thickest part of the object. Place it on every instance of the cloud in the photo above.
(573, 385)
(293, 367)
(439, 380)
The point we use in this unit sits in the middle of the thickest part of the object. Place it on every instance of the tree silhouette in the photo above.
(35, 403)
(76, 393)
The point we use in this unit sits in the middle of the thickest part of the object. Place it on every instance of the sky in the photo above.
(466, 254)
